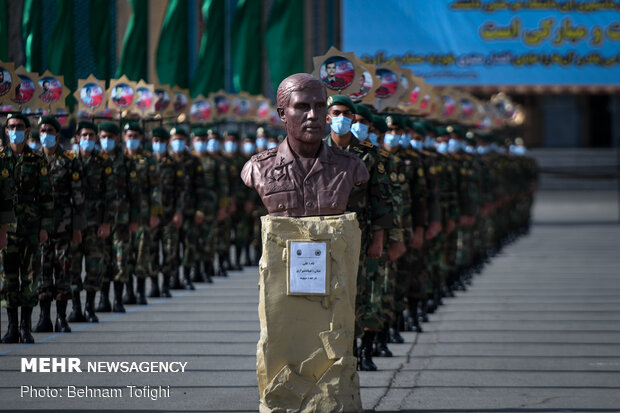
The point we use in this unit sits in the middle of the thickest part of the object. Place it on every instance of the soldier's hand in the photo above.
(103, 231)
(395, 251)
(177, 220)
(375, 249)
(133, 227)
(417, 239)
(77, 236)
(221, 214)
(153, 221)
(199, 217)
(42, 236)
(434, 228)
(450, 225)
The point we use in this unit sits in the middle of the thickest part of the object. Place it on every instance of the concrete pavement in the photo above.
(539, 330)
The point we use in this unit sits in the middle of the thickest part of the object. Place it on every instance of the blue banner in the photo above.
(480, 43)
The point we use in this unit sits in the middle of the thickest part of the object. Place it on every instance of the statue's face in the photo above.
(305, 115)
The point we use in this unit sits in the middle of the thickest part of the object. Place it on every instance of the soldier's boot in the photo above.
(381, 343)
(154, 291)
(89, 307)
(238, 266)
(104, 305)
(223, 272)
(118, 306)
(424, 310)
(248, 261)
(165, 287)
(76, 315)
(197, 274)
(45, 321)
(12, 331)
(394, 330)
(414, 318)
(62, 326)
(141, 287)
(175, 282)
(365, 362)
(209, 271)
(130, 296)
(188, 280)
(25, 333)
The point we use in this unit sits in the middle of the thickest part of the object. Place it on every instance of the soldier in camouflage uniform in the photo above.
(166, 233)
(100, 192)
(126, 207)
(139, 260)
(198, 205)
(371, 202)
(25, 173)
(65, 175)
(228, 156)
(247, 201)
(237, 226)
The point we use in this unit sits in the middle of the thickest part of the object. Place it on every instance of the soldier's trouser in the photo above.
(56, 265)
(222, 239)
(388, 306)
(410, 279)
(139, 260)
(91, 249)
(189, 236)
(167, 235)
(372, 319)
(22, 270)
(207, 240)
(115, 254)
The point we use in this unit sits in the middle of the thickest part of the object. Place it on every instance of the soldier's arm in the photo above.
(78, 218)
(109, 193)
(156, 209)
(46, 199)
(380, 195)
(7, 214)
(133, 192)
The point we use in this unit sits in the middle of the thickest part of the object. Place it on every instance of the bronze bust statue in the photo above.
(303, 176)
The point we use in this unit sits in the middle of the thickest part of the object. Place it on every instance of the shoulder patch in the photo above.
(396, 158)
(70, 155)
(401, 177)
(179, 173)
(44, 171)
(381, 168)
(394, 177)
(383, 153)
(366, 144)
(104, 155)
(5, 173)
(75, 176)
(420, 172)
(132, 174)
(199, 169)
(108, 170)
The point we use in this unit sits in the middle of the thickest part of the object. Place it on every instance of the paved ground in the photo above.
(539, 330)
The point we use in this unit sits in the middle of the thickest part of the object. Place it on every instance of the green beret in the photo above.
(200, 131)
(35, 135)
(363, 111)
(234, 135)
(379, 123)
(134, 126)
(341, 100)
(109, 127)
(50, 120)
(441, 130)
(84, 124)
(396, 120)
(419, 128)
(178, 131)
(18, 116)
(161, 133)
(469, 137)
(460, 132)
(249, 137)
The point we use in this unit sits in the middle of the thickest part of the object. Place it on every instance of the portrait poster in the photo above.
(201, 110)
(53, 91)
(337, 71)
(26, 90)
(8, 82)
(121, 94)
(145, 98)
(90, 94)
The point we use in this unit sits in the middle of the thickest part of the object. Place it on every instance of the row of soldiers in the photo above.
(109, 212)
(440, 200)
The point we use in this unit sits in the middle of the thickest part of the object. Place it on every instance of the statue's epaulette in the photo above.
(383, 153)
(342, 152)
(366, 144)
(269, 153)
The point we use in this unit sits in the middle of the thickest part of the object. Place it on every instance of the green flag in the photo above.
(210, 71)
(60, 46)
(134, 63)
(4, 31)
(246, 47)
(100, 36)
(172, 59)
(32, 32)
(284, 39)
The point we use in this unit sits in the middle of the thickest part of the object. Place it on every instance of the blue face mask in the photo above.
(87, 145)
(442, 147)
(35, 146)
(47, 140)
(470, 149)
(453, 145)
(374, 139)
(391, 139)
(271, 145)
(17, 136)
(132, 144)
(249, 148)
(482, 150)
(213, 145)
(360, 131)
(107, 144)
(417, 145)
(230, 146)
(429, 142)
(178, 145)
(341, 125)
(261, 143)
(159, 147)
(200, 146)
(405, 139)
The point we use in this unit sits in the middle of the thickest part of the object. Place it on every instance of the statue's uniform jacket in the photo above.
(287, 191)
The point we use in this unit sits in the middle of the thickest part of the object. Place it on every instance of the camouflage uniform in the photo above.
(223, 229)
(241, 217)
